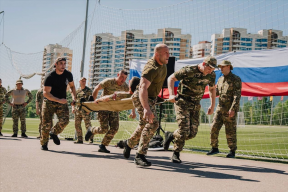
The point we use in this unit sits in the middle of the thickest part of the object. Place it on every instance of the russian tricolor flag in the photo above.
(263, 73)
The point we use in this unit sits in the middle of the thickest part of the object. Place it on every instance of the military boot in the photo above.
(55, 138)
(231, 154)
(168, 138)
(14, 135)
(78, 142)
(91, 139)
(176, 157)
(88, 134)
(102, 148)
(44, 147)
(1, 134)
(141, 160)
(24, 135)
(127, 150)
(213, 151)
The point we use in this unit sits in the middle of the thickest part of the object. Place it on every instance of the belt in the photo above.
(51, 101)
(18, 105)
(153, 98)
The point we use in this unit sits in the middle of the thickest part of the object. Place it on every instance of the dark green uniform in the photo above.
(81, 114)
(3, 92)
(109, 118)
(190, 91)
(229, 92)
(156, 75)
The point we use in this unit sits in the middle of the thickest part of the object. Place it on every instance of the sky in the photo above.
(29, 25)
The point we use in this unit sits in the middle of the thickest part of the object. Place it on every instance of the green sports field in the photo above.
(257, 140)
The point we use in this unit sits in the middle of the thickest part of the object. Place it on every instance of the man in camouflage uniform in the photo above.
(39, 102)
(82, 92)
(229, 92)
(193, 81)
(144, 100)
(55, 102)
(108, 118)
(18, 106)
(3, 92)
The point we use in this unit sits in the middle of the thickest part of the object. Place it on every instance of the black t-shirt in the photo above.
(58, 83)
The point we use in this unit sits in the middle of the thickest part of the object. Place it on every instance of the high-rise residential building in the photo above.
(51, 52)
(110, 54)
(202, 49)
(237, 39)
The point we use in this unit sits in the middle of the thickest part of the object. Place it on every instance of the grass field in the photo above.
(260, 141)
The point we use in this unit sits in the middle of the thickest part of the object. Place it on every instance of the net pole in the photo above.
(84, 43)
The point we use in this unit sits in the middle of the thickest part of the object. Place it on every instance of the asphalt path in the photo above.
(76, 167)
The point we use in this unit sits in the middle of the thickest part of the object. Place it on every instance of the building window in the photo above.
(236, 35)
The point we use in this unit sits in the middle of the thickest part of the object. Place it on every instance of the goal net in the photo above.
(116, 35)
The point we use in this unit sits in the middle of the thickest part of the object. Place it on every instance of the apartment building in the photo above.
(110, 54)
(237, 39)
(202, 49)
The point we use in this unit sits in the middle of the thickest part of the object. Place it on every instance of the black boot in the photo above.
(231, 154)
(102, 148)
(213, 151)
(168, 138)
(176, 157)
(78, 142)
(88, 134)
(55, 138)
(141, 160)
(92, 139)
(1, 134)
(24, 135)
(14, 135)
(127, 150)
(44, 147)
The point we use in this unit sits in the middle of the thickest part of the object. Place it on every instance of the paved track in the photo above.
(70, 167)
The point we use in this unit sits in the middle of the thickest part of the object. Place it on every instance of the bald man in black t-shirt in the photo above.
(54, 91)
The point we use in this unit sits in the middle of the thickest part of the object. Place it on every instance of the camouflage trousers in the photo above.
(18, 111)
(106, 119)
(1, 116)
(221, 117)
(79, 115)
(48, 110)
(187, 116)
(40, 124)
(145, 130)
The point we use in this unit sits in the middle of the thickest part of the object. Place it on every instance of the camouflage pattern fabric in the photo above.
(3, 91)
(110, 86)
(193, 82)
(81, 114)
(187, 116)
(18, 111)
(48, 110)
(145, 130)
(109, 118)
(229, 92)
(106, 119)
(39, 99)
(82, 93)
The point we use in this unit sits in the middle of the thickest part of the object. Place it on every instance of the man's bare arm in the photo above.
(96, 90)
(50, 97)
(171, 81)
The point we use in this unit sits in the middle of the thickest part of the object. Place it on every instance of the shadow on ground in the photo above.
(162, 163)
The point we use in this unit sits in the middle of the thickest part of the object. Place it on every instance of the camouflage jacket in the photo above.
(3, 92)
(13, 93)
(110, 86)
(40, 97)
(82, 93)
(193, 82)
(229, 91)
